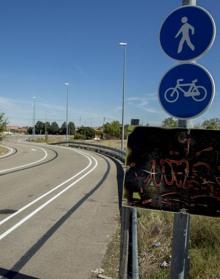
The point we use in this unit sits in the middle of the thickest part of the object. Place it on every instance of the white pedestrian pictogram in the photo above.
(185, 32)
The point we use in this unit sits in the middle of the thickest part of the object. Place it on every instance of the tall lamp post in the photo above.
(67, 109)
(34, 115)
(124, 45)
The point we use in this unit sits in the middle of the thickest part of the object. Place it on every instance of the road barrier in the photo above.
(128, 227)
(113, 152)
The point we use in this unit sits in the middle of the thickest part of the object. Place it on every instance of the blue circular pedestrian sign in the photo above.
(187, 33)
(186, 90)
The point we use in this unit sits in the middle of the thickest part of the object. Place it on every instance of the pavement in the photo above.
(57, 212)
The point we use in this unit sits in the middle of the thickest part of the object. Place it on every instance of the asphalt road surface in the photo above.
(58, 211)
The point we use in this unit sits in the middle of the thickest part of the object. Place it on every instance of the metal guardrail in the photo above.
(120, 155)
(113, 152)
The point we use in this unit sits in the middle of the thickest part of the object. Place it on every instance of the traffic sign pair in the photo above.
(188, 89)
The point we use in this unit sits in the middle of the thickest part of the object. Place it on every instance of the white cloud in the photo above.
(152, 110)
(20, 112)
(6, 103)
(144, 103)
(133, 99)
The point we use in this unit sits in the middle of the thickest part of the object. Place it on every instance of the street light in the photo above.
(124, 45)
(34, 114)
(67, 109)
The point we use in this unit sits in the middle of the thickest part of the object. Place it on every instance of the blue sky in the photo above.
(45, 43)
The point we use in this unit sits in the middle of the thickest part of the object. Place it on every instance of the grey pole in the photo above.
(180, 246)
(67, 110)
(124, 242)
(181, 226)
(34, 115)
(135, 268)
(45, 128)
(124, 45)
(185, 123)
(188, 2)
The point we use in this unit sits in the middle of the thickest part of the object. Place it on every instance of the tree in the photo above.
(30, 130)
(63, 129)
(40, 128)
(85, 133)
(2, 122)
(169, 122)
(112, 130)
(128, 130)
(54, 128)
(47, 127)
(71, 128)
(211, 124)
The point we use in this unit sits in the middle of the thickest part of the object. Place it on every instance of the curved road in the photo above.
(58, 209)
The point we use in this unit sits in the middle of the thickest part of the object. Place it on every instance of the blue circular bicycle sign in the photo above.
(186, 90)
(187, 33)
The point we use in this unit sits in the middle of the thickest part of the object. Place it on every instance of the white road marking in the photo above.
(11, 150)
(29, 164)
(22, 221)
(32, 149)
(49, 192)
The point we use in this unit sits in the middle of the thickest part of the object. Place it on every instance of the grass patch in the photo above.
(154, 243)
(47, 139)
(53, 139)
(110, 143)
(3, 150)
(204, 248)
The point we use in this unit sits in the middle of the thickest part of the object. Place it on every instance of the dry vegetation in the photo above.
(154, 243)
(110, 143)
(54, 139)
(155, 236)
(204, 248)
(3, 150)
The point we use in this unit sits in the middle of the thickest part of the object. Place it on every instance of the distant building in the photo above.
(12, 129)
(135, 122)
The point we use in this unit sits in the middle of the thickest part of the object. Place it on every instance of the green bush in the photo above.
(80, 137)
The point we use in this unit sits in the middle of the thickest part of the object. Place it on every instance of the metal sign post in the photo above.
(180, 259)
(180, 244)
(124, 249)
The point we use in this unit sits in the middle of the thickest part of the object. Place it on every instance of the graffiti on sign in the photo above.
(174, 169)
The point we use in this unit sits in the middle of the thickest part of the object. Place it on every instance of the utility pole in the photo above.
(103, 128)
(34, 115)
(45, 128)
(67, 110)
(124, 45)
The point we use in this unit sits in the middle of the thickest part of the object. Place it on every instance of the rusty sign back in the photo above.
(173, 169)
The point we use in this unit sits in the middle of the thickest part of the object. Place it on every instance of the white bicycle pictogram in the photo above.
(197, 92)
